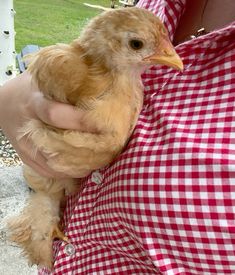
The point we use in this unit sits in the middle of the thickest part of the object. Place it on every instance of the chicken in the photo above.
(99, 72)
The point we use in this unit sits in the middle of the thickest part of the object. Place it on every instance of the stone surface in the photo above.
(13, 192)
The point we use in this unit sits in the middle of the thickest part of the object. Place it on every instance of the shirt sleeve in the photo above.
(169, 11)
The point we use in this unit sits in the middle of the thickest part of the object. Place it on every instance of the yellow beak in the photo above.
(166, 56)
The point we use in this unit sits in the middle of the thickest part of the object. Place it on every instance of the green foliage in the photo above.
(46, 22)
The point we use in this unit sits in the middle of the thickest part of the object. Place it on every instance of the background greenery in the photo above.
(45, 22)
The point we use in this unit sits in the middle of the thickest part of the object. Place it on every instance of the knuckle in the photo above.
(49, 115)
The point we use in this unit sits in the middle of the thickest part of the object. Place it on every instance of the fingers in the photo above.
(41, 170)
(60, 115)
(36, 159)
(57, 114)
(20, 101)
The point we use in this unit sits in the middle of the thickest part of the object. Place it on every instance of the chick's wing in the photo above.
(58, 70)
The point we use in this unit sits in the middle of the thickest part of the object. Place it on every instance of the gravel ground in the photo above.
(13, 192)
(8, 156)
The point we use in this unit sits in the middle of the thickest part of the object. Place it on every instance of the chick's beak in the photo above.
(165, 55)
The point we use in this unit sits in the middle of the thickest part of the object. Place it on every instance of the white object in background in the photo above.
(129, 3)
(7, 41)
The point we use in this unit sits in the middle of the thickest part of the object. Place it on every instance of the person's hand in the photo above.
(21, 100)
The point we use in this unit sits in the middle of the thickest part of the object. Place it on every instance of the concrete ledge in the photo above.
(13, 192)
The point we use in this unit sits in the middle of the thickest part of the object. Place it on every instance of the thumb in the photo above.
(60, 115)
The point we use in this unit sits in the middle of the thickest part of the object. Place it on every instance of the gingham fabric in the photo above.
(167, 204)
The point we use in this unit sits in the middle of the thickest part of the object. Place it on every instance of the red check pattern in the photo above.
(169, 11)
(167, 205)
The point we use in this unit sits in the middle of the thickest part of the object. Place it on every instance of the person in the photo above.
(167, 204)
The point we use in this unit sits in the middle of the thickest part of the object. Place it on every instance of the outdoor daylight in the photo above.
(117, 137)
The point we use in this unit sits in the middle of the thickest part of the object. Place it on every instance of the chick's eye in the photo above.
(163, 31)
(136, 44)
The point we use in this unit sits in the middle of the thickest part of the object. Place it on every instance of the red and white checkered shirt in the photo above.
(167, 205)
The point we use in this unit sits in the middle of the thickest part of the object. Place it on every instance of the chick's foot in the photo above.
(57, 233)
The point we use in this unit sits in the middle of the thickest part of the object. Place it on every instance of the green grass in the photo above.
(46, 22)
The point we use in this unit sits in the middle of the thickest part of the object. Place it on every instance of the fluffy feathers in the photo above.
(100, 72)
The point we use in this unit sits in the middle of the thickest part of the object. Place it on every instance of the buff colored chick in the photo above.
(100, 72)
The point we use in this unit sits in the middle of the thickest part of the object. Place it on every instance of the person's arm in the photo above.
(20, 100)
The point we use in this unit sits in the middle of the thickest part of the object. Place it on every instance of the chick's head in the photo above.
(130, 37)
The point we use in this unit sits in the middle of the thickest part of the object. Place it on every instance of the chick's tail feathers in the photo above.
(36, 227)
(32, 230)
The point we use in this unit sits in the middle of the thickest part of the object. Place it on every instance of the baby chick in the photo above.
(99, 72)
